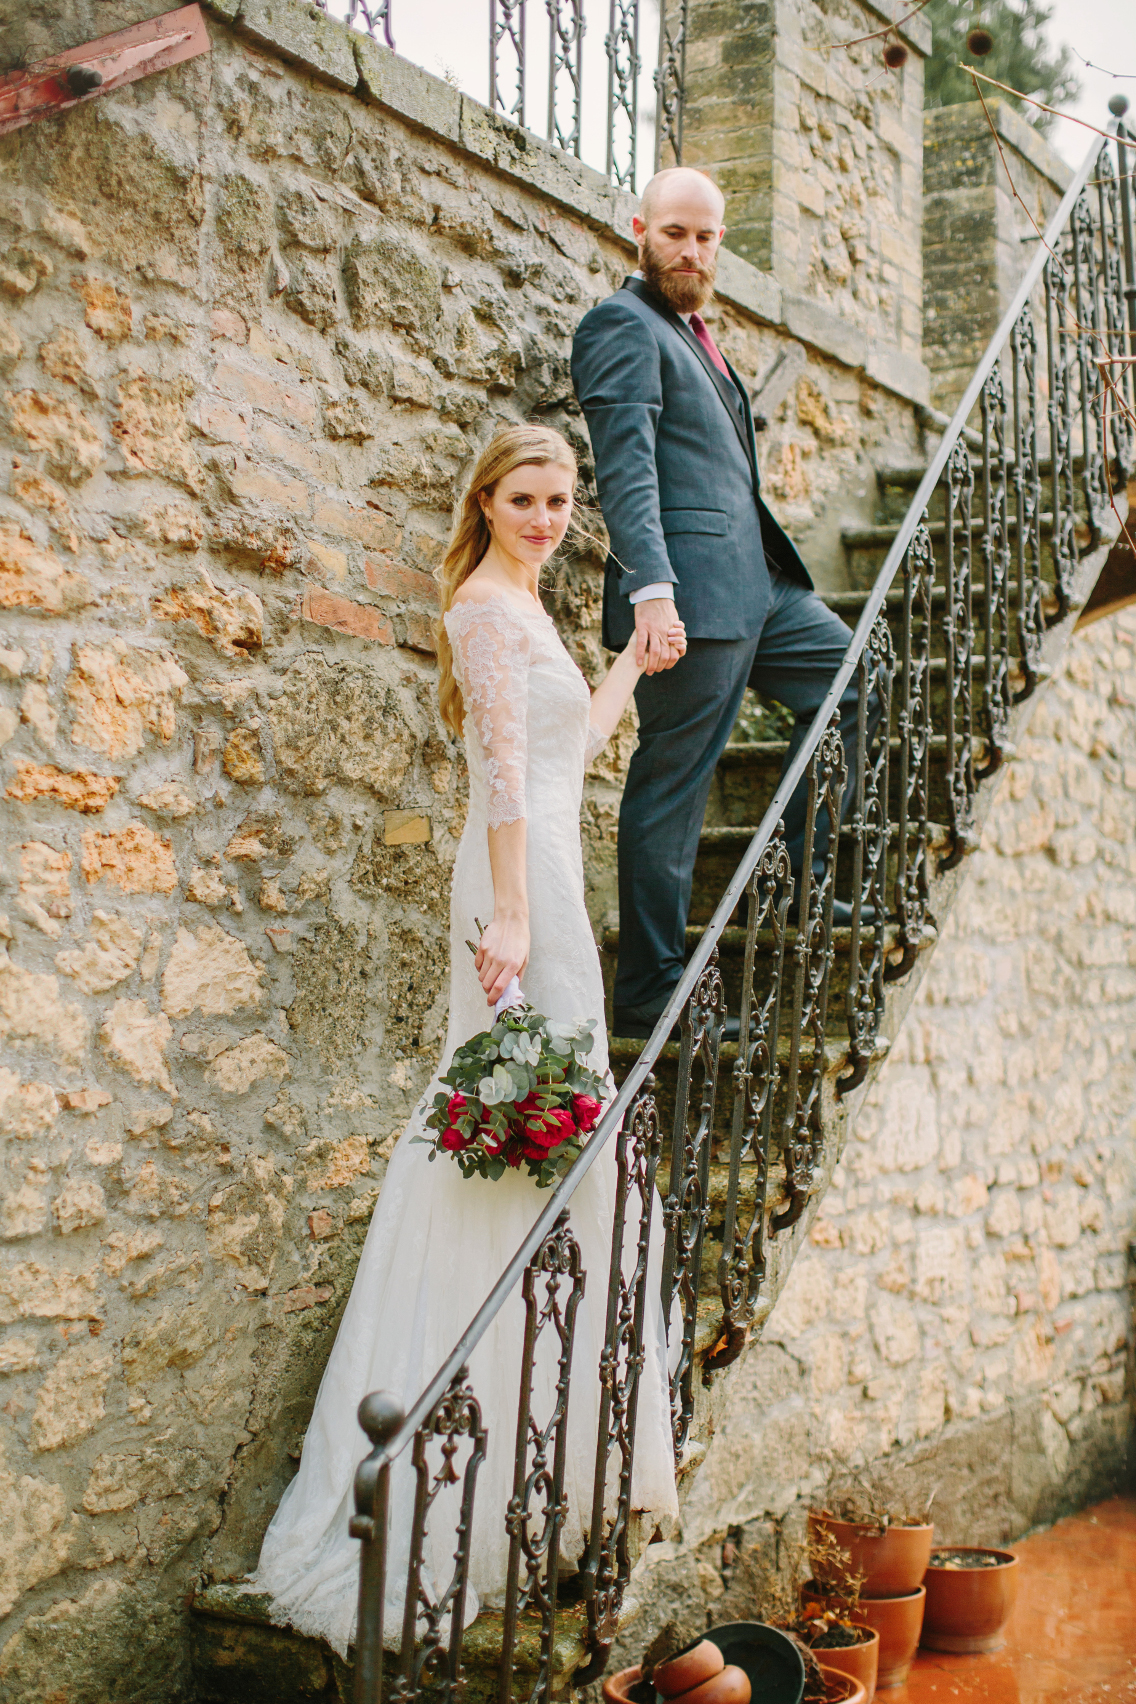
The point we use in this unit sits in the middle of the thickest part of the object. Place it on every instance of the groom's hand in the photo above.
(654, 646)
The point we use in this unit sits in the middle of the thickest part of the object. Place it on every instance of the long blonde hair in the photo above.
(515, 446)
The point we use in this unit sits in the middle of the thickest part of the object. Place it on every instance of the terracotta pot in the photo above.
(729, 1686)
(967, 1608)
(898, 1621)
(841, 1688)
(617, 1686)
(892, 1562)
(859, 1663)
(690, 1668)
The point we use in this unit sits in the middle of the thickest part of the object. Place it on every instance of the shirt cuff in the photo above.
(659, 589)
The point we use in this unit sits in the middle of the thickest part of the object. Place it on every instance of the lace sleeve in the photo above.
(596, 743)
(491, 661)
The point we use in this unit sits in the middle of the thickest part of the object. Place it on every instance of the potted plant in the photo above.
(721, 1667)
(970, 1594)
(831, 1635)
(868, 1551)
(871, 1533)
(841, 1688)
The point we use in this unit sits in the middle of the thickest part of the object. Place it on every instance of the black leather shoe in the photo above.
(639, 1024)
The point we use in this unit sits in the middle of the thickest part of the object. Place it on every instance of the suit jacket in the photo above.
(676, 471)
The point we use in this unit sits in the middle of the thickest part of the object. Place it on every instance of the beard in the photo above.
(685, 292)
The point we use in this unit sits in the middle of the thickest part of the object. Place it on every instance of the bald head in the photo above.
(681, 188)
(678, 229)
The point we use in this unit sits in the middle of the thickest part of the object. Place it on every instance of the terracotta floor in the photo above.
(1072, 1636)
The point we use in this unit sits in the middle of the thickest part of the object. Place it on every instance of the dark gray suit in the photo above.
(677, 475)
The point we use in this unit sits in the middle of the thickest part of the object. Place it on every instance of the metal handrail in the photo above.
(764, 866)
(617, 1108)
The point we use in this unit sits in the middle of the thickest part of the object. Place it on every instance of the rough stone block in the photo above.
(304, 35)
(407, 89)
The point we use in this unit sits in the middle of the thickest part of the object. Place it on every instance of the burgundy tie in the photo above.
(698, 327)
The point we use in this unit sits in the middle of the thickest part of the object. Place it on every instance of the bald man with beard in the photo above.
(677, 474)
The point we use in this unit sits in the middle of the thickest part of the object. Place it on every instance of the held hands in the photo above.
(660, 637)
(502, 954)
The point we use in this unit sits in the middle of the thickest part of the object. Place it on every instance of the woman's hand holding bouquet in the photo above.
(519, 1094)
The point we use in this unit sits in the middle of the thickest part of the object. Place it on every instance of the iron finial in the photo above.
(1118, 105)
(380, 1416)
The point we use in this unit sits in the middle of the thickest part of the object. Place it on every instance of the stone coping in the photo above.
(943, 125)
(357, 64)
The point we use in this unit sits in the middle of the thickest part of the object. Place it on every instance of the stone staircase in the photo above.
(240, 1657)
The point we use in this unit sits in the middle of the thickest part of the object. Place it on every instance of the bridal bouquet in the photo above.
(519, 1094)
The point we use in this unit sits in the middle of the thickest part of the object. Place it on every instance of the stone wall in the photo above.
(819, 152)
(256, 318)
(962, 1316)
(990, 183)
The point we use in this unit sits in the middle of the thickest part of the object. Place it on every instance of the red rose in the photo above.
(543, 1136)
(456, 1107)
(530, 1103)
(454, 1141)
(586, 1111)
(550, 1128)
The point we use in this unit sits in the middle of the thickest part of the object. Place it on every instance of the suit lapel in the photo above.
(747, 414)
(731, 394)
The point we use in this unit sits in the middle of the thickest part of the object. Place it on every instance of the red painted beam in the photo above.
(99, 67)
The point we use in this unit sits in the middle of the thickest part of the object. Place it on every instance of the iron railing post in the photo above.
(380, 1417)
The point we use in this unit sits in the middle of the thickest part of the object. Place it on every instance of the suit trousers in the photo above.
(686, 715)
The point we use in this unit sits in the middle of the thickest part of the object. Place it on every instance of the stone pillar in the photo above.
(818, 150)
(977, 237)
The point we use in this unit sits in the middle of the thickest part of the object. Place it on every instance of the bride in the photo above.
(438, 1241)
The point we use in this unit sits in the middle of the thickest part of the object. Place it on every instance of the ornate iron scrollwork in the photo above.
(802, 1132)
(996, 697)
(538, 1507)
(741, 1268)
(1027, 493)
(431, 1651)
(607, 1567)
(1086, 310)
(958, 637)
(565, 64)
(912, 877)
(1118, 384)
(623, 67)
(374, 15)
(507, 31)
(687, 1206)
(670, 79)
(871, 837)
(1062, 483)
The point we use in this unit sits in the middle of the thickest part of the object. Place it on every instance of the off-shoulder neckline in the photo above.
(499, 598)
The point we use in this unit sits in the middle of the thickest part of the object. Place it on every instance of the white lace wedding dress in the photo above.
(438, 1241)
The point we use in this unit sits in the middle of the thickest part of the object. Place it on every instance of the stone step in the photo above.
(623, 1052)
(720, 849)
(240, 1655)
(731, 962)
(897, 486)
(866, 547)
(747, 775)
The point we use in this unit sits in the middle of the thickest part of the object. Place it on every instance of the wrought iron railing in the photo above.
(946, 643)
(507, 23)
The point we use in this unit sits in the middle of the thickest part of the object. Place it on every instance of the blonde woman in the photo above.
(438, 1241)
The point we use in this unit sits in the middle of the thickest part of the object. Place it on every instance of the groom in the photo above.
(676, 470)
